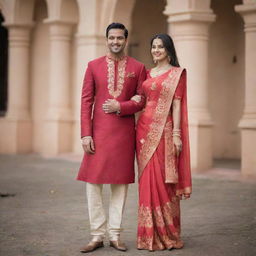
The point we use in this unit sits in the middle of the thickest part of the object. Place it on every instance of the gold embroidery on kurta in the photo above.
(159, 117)
(130, 74)
(120, 76)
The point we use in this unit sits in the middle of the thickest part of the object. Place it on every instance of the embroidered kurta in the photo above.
(113, 135)
(162, 176)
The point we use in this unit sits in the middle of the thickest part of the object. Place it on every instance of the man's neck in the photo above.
(116, 57)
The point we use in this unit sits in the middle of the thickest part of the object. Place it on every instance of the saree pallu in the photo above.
(162, 176)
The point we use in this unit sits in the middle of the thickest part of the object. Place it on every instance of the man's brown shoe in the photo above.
(91, 246)
(118, 245)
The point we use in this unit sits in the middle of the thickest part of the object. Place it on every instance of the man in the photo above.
(108, 134)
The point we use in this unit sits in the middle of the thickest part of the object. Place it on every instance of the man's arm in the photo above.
(129, 107)
(137, 102)
(87, 100)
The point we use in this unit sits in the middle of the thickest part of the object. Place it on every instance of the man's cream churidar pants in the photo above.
(97, 216)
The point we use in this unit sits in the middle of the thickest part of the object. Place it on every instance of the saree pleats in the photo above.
(159, 207)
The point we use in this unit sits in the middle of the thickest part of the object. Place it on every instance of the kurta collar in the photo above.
(116, 58)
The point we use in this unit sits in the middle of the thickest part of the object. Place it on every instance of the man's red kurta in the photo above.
(113, 135)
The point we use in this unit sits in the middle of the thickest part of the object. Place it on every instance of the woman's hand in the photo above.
(136, 98)
(178, 144)
(184, 196)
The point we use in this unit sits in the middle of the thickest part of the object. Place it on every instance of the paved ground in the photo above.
(43, 212)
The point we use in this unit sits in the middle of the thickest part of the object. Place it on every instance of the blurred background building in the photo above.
(46, 44)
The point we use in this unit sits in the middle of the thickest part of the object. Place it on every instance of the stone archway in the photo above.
(226, 81)
(41, 77)
(58, 125)
(136, 16)
(15, 128)
(146, 12)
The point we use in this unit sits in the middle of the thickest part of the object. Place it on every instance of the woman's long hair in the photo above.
(169, 47)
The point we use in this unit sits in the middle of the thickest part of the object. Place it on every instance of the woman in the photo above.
(163, 150)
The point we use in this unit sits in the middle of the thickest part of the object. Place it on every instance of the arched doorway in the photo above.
(147, 20)
(3, 67)
(48, 75)
(226, 83)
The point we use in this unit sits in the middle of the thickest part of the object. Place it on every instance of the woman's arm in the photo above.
(176, 109)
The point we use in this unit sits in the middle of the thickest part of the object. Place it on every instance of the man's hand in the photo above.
(88, 145)
(111, 106)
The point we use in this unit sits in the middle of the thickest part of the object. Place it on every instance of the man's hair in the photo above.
(116, 25)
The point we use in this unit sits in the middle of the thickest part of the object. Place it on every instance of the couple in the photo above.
(115, 87)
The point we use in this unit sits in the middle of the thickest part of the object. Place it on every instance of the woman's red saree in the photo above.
(162, 176)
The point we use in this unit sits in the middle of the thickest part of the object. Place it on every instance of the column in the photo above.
(189, 26)
(89, 47)
(58, 127)
(248, 120)
(16, 129)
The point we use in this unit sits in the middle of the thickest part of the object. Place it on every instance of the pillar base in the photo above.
(15, 136)
(200, 147)
(248, 136)
(58, 137)
(248, 152)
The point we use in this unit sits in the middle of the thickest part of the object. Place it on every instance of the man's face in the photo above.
(116, 41)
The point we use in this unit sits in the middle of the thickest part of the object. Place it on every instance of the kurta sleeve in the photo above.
(87, 100)
(132, 106)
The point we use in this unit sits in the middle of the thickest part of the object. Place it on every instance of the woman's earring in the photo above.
(169, 59)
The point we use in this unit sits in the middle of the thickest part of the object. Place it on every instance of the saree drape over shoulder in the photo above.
(162, 175)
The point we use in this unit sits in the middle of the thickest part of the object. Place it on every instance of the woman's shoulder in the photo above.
(148, 72)
(180, 69)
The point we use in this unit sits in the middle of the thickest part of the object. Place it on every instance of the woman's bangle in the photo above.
(176, 132)
(176, 135)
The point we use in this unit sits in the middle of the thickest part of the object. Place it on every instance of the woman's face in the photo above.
(158, 51)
